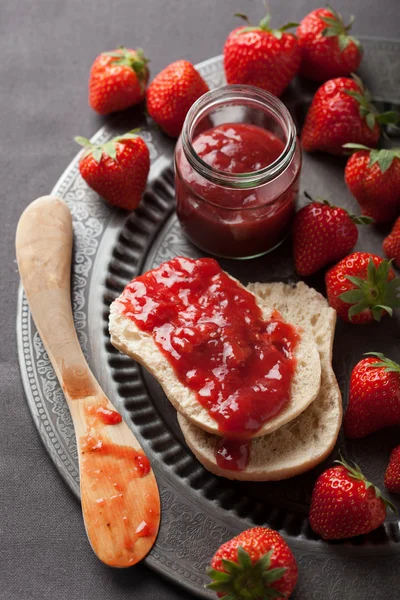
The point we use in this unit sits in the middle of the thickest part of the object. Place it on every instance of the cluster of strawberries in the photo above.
(361, 287)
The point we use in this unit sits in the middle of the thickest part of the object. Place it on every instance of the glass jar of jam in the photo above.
(237, 167)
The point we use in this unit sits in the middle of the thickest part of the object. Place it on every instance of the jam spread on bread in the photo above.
(213, 334)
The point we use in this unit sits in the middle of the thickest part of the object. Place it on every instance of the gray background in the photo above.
(46, 49)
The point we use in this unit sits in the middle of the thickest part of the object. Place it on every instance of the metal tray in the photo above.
(199, 510)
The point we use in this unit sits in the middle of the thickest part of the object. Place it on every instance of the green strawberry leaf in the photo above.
(358, 281)
(374, 292)
(110, 149)
(353, 146)
(355, 472)
(331, 21)
(343, 40)
(383, 157)
(389, 365)
(244, 559)
(362, 220)
(329, 32)
(370, 118)
(264, 23)
(274, 574)
(245, 579)
(97, 153)
(289, 25)
(358, 308)
(352, 296)
(82, 141)
(230, 566)
(390, 117)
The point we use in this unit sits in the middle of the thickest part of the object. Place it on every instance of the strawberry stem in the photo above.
(355, 472)
(244, 580)
(375, 292)
(337, 28)
(357, 219)
(389, 365)
(367, 109)
(264, 25)
(384, 157)
(108, 148)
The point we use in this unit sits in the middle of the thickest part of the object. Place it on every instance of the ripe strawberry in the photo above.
(391, 244)
(117, 170)
(261, 56)
(342, 112)
(373, 177)
(322, 234)
(374, 396)
(172, 93)
(255, 564)
(117, 80)
(344, 504)
(327, 51)
(392, 475)
(362, 287)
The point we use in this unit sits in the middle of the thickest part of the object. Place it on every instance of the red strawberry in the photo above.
(117, 80)
(327, 51)
(374, 396)
(362, 287)
(261, 56)
(342, 112)
(172, 93)
(391, 244)
(373, 177)
(117, 170)
(322, 234)
(392, 475)
(344, 504)
(255, 564)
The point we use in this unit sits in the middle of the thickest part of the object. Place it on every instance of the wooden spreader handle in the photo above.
(120, 499)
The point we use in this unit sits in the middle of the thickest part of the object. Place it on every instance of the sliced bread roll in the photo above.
(304, 442)
(139, 345)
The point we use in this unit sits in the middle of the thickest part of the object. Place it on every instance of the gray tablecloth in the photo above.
(46, 49)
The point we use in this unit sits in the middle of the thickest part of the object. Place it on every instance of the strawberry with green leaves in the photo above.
(392, 474)
(255, 564)
(327, 48)
(374, 396)
(344, 504)
(172, 92)
(261, 56)
(341, 112)
(362, 288)
(391, 243)
(373, 177)
(323, 234)
(117, 170)
(118, 80)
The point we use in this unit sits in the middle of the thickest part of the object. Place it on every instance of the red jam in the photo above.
(106, 415)
(234, 222)
(212, 333)
(111, 471)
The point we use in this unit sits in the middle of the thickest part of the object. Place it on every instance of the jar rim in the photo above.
(233, 95)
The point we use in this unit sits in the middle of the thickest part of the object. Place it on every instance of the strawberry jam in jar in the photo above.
(237, 167)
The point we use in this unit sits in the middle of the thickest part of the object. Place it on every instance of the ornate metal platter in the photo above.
(200, 510)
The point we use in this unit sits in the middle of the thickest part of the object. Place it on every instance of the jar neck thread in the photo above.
(236, 95)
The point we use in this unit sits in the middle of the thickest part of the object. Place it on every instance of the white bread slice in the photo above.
(139, 345)
(306, 441)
